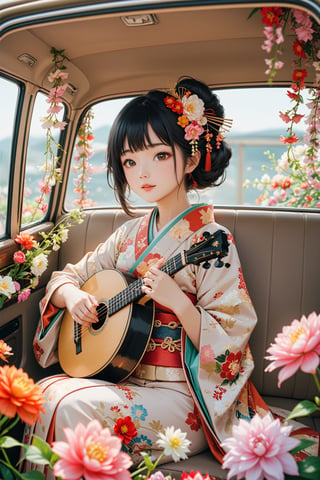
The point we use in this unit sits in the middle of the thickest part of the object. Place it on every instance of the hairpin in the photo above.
(196, 121)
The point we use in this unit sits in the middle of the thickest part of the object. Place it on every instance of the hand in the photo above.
(162, 288)
(82, 306)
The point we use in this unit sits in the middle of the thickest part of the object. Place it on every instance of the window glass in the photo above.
(8, 102)
(38, 161)
(256, 130)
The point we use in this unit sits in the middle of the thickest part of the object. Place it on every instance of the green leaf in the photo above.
(34, 475)
(309, 468)
(34, 455)
(43, 446)
(6, 473)
(304, 443)
(8, 442)
(303, 409)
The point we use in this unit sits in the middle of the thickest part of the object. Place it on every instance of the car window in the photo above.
(254, 138)
(9, 92)
(41, 155)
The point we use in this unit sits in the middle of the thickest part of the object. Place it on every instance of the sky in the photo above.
(251, 110)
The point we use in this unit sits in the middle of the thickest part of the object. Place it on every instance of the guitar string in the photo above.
(128, 294)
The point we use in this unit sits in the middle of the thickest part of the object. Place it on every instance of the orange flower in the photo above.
(26, 240)
(183, 121)
(4, 350)
(19, 395)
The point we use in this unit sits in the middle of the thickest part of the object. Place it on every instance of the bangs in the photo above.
(135, 121)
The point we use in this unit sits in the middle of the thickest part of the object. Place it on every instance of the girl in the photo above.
(160, 147)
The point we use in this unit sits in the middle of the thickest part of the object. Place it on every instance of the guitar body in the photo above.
(112, 348)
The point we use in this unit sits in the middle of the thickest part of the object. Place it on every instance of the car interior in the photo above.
(113, 51)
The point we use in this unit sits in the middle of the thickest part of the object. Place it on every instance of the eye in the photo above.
(162, 156)
(128, 163)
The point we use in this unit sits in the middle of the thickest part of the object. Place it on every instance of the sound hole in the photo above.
(102, 311)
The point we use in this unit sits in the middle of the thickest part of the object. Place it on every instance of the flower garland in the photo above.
(18, 279)
(297, 179)
(50, 122)
(84, 151)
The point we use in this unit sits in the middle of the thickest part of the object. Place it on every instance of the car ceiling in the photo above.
(216, 43)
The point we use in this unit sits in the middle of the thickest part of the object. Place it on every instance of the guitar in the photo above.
(112, 347)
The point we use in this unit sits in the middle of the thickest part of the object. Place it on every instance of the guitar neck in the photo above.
(134, 291)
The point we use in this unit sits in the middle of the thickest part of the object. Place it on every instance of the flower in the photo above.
(192, 116)
(19, 395)
(174, 443)
(31, 261)
(39, 264)
(5, 350)
(91, 452)
(259, 450)
(194, 476)
(297, 346)
(281, 25)
(125, 429)
(7, 287)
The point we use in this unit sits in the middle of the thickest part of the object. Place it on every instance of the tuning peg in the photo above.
(218, 263)
(206, 234)
(206, 265)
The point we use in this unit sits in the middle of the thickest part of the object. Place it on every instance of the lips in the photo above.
(147, 187)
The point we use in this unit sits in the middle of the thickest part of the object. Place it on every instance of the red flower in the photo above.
(170, 101)
(286, 183)
(299, 74)
(271, 16)
(125, 429)
(231, 366)
(293, 96)
(26, 240)
(193, 420)
(177, 107)
(298, 49)
(291, 139)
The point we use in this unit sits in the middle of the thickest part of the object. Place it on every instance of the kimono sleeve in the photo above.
(222, 366)
(47, 333)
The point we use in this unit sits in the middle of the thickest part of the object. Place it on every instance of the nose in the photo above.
(143, 171)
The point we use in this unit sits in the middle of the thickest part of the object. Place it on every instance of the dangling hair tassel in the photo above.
(207, 165)
(194, 183)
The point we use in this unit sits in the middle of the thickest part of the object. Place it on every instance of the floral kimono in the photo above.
(157, 393)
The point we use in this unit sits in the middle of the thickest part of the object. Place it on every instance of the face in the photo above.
(151, 172)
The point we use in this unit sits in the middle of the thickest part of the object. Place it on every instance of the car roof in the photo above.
(214, 41)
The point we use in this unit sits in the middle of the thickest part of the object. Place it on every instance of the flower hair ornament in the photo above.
(197, 121)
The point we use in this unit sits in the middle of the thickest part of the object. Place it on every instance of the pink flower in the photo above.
(91, 452)
(207, 354)
(193, 131)
(259, 450)
(23, 296)
(297, 346)
(19, 257)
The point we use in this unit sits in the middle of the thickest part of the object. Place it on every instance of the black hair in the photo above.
(132, 123)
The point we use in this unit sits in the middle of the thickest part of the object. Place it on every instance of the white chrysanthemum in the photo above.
(64, 235)
(174, 443)
(193, 108)
(7, 286)
(39, 264)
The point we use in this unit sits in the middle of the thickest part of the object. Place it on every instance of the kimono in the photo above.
(157, 392)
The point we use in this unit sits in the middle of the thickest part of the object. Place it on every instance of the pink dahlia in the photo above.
(260, 450)
(297, 346)
(91, 452)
